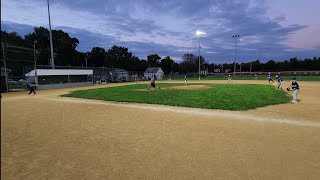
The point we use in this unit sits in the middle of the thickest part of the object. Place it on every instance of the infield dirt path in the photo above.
(51, 137)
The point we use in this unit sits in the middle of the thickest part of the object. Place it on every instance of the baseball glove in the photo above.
(288, 89)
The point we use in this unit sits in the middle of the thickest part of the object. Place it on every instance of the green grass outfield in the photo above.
(218, 96)
(264, 78)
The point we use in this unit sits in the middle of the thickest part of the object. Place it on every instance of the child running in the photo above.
(31, 87)
(270, 79)
(280, 82)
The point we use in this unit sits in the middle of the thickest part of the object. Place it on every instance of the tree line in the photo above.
(120, 57)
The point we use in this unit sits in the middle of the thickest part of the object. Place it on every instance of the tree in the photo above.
(189, 63)
(270, 66)
(64, 46)
(12, 38)
(154, 60)
(120, 57)
(97, 57)
(176, 68)
(166, 64)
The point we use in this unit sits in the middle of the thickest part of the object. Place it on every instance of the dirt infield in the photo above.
(52, 137)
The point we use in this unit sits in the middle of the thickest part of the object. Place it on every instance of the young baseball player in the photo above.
(280, 82)
(185, 80)
(229, 79)
(295, 87)
(31, 87)
(270, 79)
(152, 83)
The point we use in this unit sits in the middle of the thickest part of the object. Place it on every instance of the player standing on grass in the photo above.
(185, 80)
(270, 79)
(280, 82)
(295, 87)
(31, 87)
(153, 83)
(229, 79)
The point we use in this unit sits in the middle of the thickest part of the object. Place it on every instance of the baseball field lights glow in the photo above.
(200, 33)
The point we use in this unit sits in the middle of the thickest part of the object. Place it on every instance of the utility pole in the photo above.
(5, 66)
(222, 63)
(35, 62)
(199, 33)
(50, 33)
(199, 58)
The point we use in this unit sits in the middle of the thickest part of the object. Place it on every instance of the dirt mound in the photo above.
(190, 87)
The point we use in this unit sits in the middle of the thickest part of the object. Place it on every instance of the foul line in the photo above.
(203, 112)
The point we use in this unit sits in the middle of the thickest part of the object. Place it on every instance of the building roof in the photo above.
(153, 69)
(60, 72)
(119, 70)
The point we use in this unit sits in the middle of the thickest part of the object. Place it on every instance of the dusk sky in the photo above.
(268, 29)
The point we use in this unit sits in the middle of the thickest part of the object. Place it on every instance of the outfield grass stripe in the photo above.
(195, 112)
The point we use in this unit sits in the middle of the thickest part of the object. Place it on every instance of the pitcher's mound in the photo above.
(189, 87)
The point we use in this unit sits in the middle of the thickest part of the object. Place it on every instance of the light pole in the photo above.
(35, 62)
(199, 33)
(50, 33)
(222, 62)
(235, 52)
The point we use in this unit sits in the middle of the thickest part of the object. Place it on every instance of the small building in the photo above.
(60, 78)
(154, 71)
(119, 75)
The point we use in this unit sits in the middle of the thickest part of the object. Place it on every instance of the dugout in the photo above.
(60, 78)
(119, 75)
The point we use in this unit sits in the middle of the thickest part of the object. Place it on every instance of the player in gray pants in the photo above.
(295, 87)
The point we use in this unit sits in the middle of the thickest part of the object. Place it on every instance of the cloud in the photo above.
(165, 27)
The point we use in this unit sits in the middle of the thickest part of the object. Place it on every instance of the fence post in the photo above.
(5, 67)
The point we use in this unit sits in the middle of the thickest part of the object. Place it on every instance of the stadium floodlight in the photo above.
(199, 33)
(235, 52)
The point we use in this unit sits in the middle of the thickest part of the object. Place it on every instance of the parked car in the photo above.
(11, 81)
(23, 81)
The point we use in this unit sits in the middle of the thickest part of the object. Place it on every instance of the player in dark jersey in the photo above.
(295, 87)
(31, 87)
(270, 79)
(152, 83)
(280, 82)
(185, 80)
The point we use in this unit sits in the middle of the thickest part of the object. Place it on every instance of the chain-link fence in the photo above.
(14, 59)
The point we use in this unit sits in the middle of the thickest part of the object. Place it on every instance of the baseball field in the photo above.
(50, 136)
